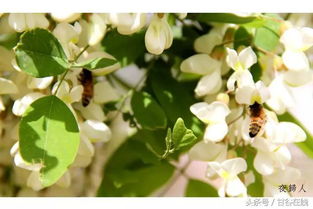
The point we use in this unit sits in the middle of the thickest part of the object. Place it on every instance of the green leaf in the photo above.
(147, 111)
(307, 145)
(49, 135)
(222, 18)
(174, 97)
(40, 54)
(242, 38)
(181, 136)
(197, 188)
(256, 71)
(267, 36)
(96, 63)
(126, 49)
(134, 171)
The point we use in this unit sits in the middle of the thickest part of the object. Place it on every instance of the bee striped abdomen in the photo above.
(255, 127)
(86, 80)
(257, 119)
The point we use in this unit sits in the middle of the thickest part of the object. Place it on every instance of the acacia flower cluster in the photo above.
(104, 104)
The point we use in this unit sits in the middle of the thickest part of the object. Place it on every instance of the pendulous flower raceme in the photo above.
(112, 104)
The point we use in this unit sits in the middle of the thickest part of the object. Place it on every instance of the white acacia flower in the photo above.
(228, 170)
(209, 68)
(20, 105)
(67, 94)
(250, 94)
(68, 35)
(208, 151)
(96, 131)
(61, 16)
(104, 92)
(240, 63)
(93, 30)
(296, 41)
(281, 97)
(128, 23)
(269, 156)
(21, 22)
(213, 115)
(92, 111)
(159, 35)
(39, 83)
(271, 151)
(205, 43)
(33, 179)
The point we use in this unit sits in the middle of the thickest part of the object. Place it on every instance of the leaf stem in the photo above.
(67, 70)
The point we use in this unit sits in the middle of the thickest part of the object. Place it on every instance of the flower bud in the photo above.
(128, 23)
(158, 36)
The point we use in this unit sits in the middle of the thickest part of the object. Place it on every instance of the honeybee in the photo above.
(85, 78)
(257, 119)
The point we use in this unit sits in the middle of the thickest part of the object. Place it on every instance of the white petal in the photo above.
(209, 84)
(14, 149)
(215, 132)
(232, 58)
(287, 132)
(66, 33)
(307, 38)
(281, 97)
(282, 157)
(216, 111)
(263, 163)
(96, 131)
(244, 78)
(247, 57)
(263, 91)
(295, 61)
(34, 182)
(17, 22)
(235, 166)
(298, 39)
(18, 161)
(201, 64)
(231, 82)
(104, 92)
(235, 187)
(244, 95)
(20, 105)
(76, 93)
(62, 16)
(92, 111)
(207, 151)
(7, 87)
(205, 43)
(85, 147)
(158, 36)
(298, 78)
(97, 29)
(39, 83)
